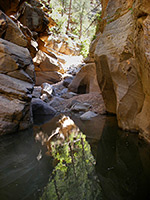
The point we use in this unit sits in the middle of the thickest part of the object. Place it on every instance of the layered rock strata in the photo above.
(16, 85)
(17, 45)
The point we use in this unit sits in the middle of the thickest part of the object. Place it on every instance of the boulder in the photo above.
(68, 95)
(36, 92)
(39, 107)
(16, 85)
(88, 115)
(32, 45)
(86, 78)
(47, 89)
(34, 18)
(41, 111)
(67, 80)
(63, 91)
(59, 88)
(48, 77)
(47, 69)
(10, 31)
(45, 62)
(78, 107)
(44, 97)
(123, 62)
(56, 101)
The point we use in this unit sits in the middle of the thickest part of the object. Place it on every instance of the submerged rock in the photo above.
(88, 115)
(77, 107)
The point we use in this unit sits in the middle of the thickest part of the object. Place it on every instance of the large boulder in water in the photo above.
(41, 111)
(39, 107)
(16, 85)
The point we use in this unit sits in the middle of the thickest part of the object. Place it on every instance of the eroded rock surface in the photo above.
(16, 85)
(87, 78)
(122, 61)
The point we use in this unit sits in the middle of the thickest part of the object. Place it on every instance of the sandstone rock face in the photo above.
(85, 77)
(62, 44)
(16, 85)
(122, 57)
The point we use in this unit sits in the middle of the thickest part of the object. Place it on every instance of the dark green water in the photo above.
(122, 161)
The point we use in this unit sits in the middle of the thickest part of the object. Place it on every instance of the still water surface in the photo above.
(122, 161)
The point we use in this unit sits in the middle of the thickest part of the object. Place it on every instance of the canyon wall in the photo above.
(17, 74)
(121, 52)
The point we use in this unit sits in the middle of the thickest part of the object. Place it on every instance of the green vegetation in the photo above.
(76, 17)
(74, 175)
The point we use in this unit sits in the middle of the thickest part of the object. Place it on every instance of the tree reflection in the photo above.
(74, 174)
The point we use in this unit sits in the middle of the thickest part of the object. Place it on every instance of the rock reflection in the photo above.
(123, 164)
(74, 174)
(41, 137)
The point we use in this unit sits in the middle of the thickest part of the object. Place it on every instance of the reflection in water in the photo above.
(123, 164)
(74, 174)
(22, 176)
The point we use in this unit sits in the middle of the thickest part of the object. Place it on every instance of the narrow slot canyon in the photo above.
(75, 100)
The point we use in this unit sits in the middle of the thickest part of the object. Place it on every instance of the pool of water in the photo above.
(123, 164)
(22, 176)
(122, 161)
